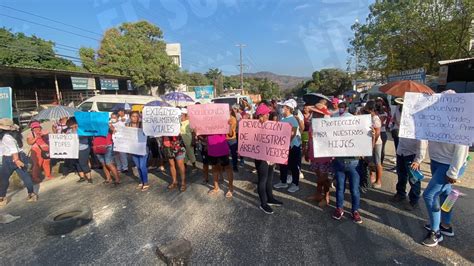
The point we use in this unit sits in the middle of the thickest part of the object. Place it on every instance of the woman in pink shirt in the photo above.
(218, 156)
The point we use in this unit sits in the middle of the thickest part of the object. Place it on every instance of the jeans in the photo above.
(265, 181)
(140, 162)
(347, 168)
(233, 152)
(384, 137)
(121, 160)
(294, 165)
(8, 167)
(403, 164)
(435, 194)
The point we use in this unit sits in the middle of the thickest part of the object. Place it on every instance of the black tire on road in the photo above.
(66, 220)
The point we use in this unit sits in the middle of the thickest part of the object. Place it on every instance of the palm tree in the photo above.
(214, 74)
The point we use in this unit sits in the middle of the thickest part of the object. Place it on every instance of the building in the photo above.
(174, 52)
(456, 74)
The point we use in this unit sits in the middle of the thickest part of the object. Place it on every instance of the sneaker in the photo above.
(432, 239)
(338, 213)
(266, 209)
(289, 179)
(356, 217)
(32, 197)
(275, 202)
(280, 185)
(81, 179)
(293, 188)
(443, 230)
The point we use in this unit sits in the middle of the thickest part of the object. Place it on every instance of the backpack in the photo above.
(100, 144)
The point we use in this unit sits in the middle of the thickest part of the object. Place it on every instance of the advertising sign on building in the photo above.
(417, 74)
(6, 108)
(204, 92)
(109, 84)
(79, 83)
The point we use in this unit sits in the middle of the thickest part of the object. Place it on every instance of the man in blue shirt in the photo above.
(294, 157)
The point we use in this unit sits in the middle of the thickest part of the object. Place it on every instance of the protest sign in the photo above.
(92, 123)
(209, 119)
(342, 136)
(130, 140)
(63, 146)
(439, 117)
(269, 141)
(6, 106)
(161, 121)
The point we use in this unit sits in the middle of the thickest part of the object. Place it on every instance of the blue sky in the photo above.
(282, 36)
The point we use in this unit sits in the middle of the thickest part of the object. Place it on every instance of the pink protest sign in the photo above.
(269, 141)
(208, 119)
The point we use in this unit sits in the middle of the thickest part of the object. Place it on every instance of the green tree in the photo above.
(136, 50)
(194, 79)
(329, 82)
(215, 75)
(400, 35)
(17, 49)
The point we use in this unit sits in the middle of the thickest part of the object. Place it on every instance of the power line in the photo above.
(54, 28)
(35, 52)
(45, 18)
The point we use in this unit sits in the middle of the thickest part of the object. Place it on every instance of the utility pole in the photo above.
(241, 67)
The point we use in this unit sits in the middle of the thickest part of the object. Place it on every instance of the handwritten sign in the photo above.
(92, 123)
(63, 146)
(208, 119)
(161, 121)
(342, 136)
(439, 117)
(130, 140)
(269, 141)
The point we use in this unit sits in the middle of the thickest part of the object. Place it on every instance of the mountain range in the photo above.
(284, 81)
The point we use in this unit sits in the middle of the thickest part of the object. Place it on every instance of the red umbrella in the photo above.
(398, 88)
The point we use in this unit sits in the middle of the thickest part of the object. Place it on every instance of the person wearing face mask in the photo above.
(120, 158)
(342, 110)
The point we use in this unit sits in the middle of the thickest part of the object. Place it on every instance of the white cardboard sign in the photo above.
(161, 121)
(342, 136)
(130, 140)
(63, 146)
(445, 118)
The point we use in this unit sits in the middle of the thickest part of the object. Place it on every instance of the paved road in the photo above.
(128, 224)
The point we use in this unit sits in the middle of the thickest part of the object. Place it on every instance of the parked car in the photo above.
(231, 100)
(105, 103)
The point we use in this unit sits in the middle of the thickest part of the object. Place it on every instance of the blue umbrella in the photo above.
(56, 113)
(158, 103)
(178, 98)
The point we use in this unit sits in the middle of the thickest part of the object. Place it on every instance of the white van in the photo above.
(231, 100)
(105, 103)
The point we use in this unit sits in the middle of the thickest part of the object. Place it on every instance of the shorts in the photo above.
(108, 157)
(171, 154)
(205, 157)
(324, 168)
(377, 154)
(220, 160)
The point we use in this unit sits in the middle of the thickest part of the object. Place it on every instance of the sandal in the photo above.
(106, 182)
(173, 186)
(183, 188)
(229, 194)
(140, 186)
(213, 192)
(145, 188)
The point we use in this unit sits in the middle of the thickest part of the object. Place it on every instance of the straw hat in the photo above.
(399, 101)
(8, 124)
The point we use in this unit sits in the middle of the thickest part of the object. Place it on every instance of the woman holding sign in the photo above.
(265, 170)
(140, 161)
(175, 151)
(38, 139)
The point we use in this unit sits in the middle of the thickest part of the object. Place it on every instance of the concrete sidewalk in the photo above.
(128, 224)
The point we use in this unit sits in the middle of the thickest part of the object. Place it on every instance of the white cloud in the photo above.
(282, 41)
(302, 6)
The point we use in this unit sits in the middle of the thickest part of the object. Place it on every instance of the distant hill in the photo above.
(285, 82)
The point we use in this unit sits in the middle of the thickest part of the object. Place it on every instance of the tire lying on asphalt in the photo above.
(66, 220)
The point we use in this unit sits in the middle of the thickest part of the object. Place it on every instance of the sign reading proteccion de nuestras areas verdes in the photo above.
(445, 117)
(269, 141)
(209, 119)
(342, 136)
(161, 121)
(63, 146)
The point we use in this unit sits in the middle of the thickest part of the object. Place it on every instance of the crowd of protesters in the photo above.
(219, 154)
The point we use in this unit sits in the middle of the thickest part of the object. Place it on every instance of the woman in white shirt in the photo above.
(14, 159)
